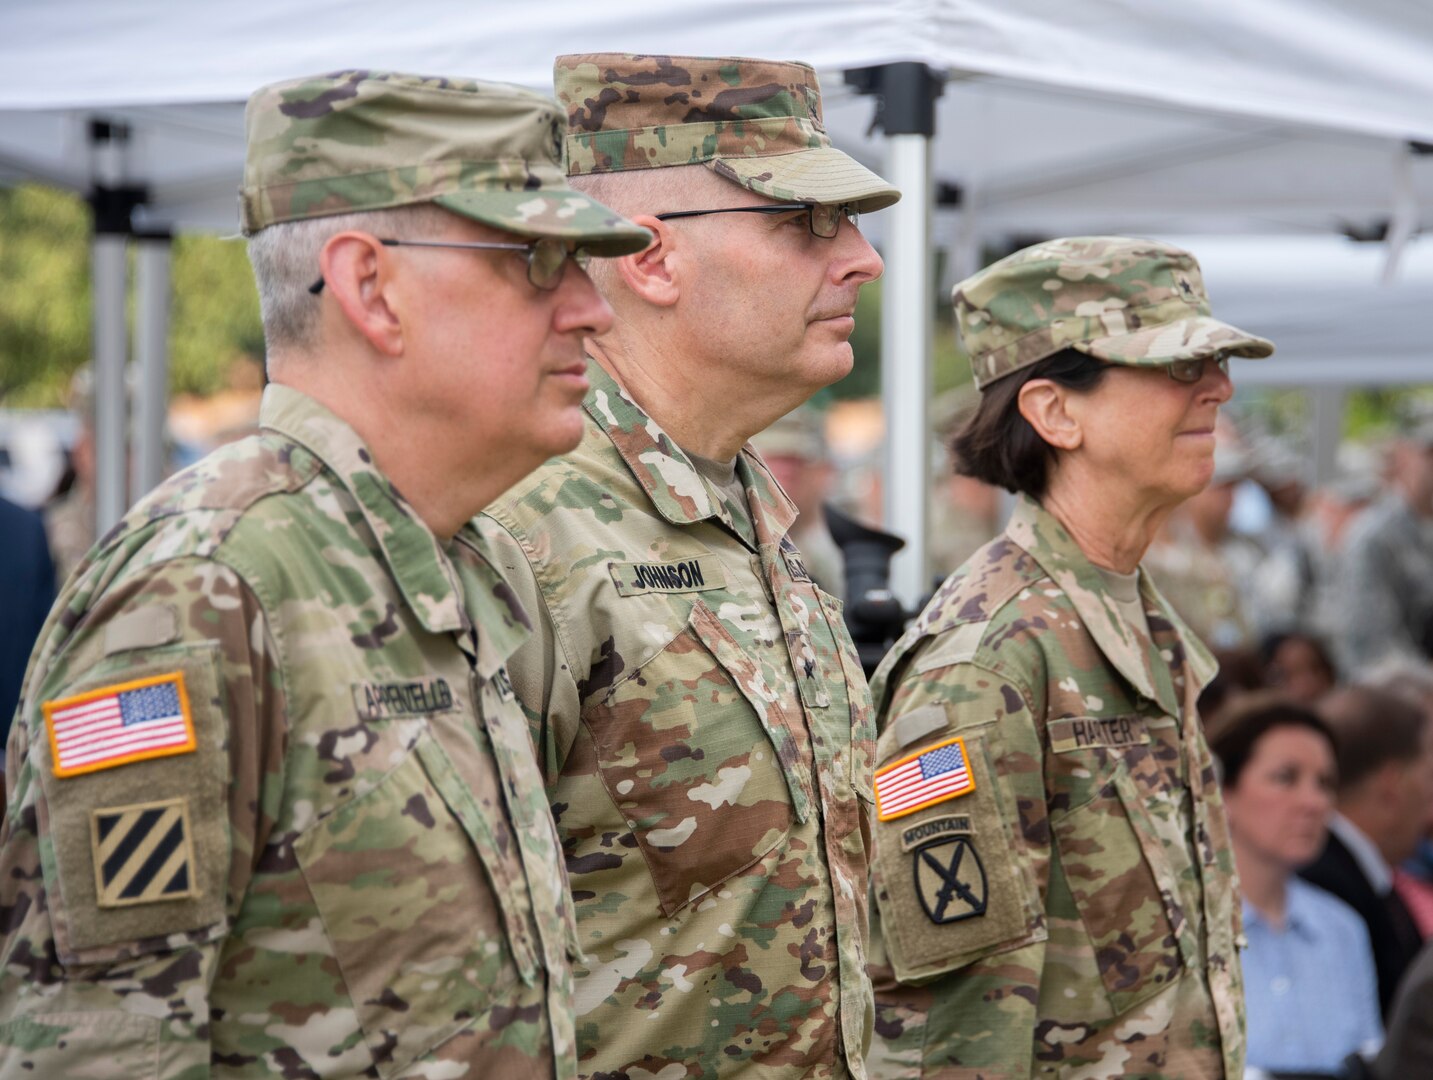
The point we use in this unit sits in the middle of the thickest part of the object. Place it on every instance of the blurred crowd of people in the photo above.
(1322, 717)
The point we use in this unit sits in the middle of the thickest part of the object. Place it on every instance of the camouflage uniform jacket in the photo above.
(706, 734)
(1203, 584)
(350, 869)
(1064, 903)
(70, 525)
(1384, 587)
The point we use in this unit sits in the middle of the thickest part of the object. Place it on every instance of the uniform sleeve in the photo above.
(147, 765)
(541, 674)
(960, 878)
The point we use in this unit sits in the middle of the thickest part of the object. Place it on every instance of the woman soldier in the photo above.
(1054, 884)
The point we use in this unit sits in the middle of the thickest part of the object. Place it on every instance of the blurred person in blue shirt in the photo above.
(1310, 989)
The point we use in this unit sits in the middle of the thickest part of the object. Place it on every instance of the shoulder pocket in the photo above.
(133, 759)
(697, 753)
(952, 880)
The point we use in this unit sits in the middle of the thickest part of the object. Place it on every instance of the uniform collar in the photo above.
(493, 604)
(414, 556)
(1133, 654)
(678, 491)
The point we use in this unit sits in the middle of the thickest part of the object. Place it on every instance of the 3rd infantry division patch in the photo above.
(143, 853)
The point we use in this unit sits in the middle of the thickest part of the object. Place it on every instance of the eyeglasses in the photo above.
(546, 257)
(824, 219)
(1191, 371)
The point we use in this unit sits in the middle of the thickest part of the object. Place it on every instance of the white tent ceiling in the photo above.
(1226, 115)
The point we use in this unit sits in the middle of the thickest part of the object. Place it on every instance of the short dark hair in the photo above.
(998, 445)
(1252, 717)
(1271, 644)
(1371, 728)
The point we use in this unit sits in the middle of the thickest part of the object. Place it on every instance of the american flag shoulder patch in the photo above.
(119, 724)
(931, 775)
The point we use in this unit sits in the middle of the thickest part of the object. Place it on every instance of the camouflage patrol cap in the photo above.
(1136, 302)
(756, 123)
(798, 434)
(371, 140)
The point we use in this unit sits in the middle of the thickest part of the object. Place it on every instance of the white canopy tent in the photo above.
(1151, 116)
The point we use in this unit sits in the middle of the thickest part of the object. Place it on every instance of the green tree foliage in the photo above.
(214, 314)
(44, 293)
(45, 301)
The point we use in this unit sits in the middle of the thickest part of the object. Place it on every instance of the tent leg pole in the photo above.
(905, 94)
(151, 356)
(108, 261)
(906, 317)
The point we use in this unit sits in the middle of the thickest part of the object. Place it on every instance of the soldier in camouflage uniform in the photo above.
(1054, 885)
(697, 705)
(1384, 575)
(70, 518)
(273, 808)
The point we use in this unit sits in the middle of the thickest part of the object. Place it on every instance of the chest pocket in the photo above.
(1116, 864)
(418, 903)
(698, 755)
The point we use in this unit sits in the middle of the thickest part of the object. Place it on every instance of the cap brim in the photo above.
(563, 213)
(1186, 339)
(817, 175)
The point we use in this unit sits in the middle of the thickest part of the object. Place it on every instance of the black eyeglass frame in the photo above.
(1221, 361)
(1187, 366)
(842, 210)
(546, 282)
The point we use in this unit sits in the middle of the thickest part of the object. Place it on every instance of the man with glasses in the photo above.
(273, 806)
(698, 709)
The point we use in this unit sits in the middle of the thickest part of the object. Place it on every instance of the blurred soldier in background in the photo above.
(794, 449)
(697, 704)
(274, 811)
(1333, 508)
(965, 513)
(70, 517)
(1281, 584)
(1200, 566)
(1385, 577)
